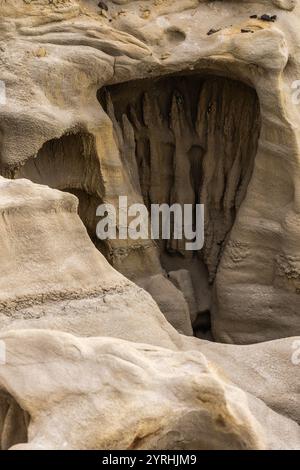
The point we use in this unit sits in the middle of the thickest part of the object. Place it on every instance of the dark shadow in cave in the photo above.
(196, 138)
(14, 422)
(71, 164)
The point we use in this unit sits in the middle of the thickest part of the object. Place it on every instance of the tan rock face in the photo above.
(53, 277)
(165, 102)
(68, 286)
(190, 117)
(109, 382)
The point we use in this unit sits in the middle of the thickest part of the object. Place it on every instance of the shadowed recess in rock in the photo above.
(70, 164)
(194, 140)
(14, 422)
(185, 139)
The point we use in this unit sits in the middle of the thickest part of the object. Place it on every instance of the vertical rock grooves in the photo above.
(194, 140)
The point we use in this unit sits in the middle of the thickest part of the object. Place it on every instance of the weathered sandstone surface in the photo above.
(91, 393)
(181, 101)
(59, 284)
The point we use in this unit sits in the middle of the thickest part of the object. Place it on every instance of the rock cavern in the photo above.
(141, 344)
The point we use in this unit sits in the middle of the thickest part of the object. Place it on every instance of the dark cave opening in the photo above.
(195, 140)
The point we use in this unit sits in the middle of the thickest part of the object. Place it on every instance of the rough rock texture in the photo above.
(195, 141)
(189, 406)
(162, 101)
(239, 140)
(53, 277)
(65, 284)
(264, 370)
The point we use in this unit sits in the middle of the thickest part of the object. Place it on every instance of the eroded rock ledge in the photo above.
(197, 409)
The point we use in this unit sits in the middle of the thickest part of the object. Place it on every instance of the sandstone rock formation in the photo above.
(54, 278)
(181, 101)
(87, 389)
(56, 282)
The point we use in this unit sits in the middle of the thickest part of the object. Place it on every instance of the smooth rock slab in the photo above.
(101, 393)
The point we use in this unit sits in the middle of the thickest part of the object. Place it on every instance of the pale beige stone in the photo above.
(141, 101)
(53, 71)
(91, 394)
